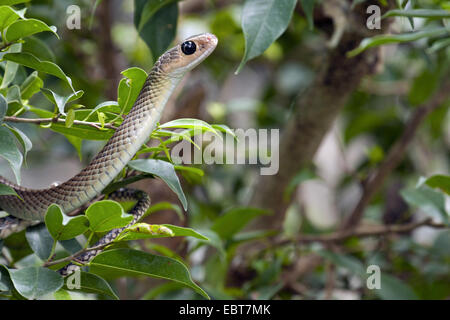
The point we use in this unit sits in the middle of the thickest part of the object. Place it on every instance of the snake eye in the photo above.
(188, 47)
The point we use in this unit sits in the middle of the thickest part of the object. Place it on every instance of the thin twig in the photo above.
(58, 120)
(363, 232)
(395, 155)
(76, 254)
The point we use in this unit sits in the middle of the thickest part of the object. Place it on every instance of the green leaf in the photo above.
(35, 282)
(423, 86)
(235, 220)
(91, 283)
(106, 215)
(62, 227)
(439, 181)
(165, 171)
(129, 87)
(11, 67)
(31, 85)
(62, 294)
(225, 129)
(417, 13)
(189, 123)
(393, 288)
(395, 38)
(110, 106)
(430, 201)
(158, 27)
(30, 61)
(308, 8)
(12, 2)
(83, 132)
(7, 191)
(8, 15)
(145, 9)
(345, 261)
(40, 241)
(59, 100)
(263, 22)
(23, 140)
(164, 205)
(3, 107)
(24, 28)
(134, 234)
(9, 152)
(39, 49)
(70, 118)
(127, 262)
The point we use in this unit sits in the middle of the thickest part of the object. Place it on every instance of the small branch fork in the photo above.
(57, 120)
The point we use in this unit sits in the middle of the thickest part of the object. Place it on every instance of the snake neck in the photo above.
(134, 131)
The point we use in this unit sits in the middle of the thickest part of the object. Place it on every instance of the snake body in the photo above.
(123, 145)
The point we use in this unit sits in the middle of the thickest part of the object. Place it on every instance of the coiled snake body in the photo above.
(119, 150)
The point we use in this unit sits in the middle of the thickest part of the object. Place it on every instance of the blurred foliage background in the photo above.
(286, 255)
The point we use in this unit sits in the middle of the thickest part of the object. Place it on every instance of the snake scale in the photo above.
(134, 131)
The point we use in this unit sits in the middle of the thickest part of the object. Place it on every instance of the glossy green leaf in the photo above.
(345, 261)
(11, 67)
(235, 220)
(127, 262)
(417, 13)
(189, 123)
(39, 49)
(24, 28)
(164, 205)
(12, 2)
(3, 107)
(8, 15)
(263, 22)
(393, 288)
(308, 8)
(40, 241)
(430, 201)
(35, 282)
(157, 27)
(423, 86)
(7, 191)
(24, 141)
(62, 227)
(59, 100)
(62, 294)
(9, 151)
(70, 118)
(396, 38)
(91, 283)
(31, 85)
(439, 181)
(111, 106)
(29, 60)
(106, 215)
(129, 87)
(83, 132)
(165, 171)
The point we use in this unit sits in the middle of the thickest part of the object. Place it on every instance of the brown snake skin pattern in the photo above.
(134, 131)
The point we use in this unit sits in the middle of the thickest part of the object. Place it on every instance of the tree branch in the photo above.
(375, 180)
(363, 232)
(54, 120)
(317, 109)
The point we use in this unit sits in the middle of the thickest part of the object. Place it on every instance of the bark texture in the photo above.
(318, 107)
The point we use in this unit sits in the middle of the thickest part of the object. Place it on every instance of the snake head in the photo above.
(188, 54)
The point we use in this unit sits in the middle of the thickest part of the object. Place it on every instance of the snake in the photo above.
(30, 205)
